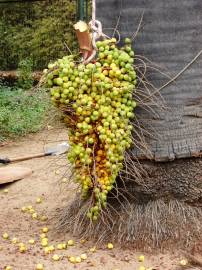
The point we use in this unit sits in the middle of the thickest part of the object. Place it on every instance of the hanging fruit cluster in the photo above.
(97, 100)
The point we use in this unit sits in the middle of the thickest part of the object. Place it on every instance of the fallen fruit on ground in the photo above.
(51, 248)
(15, 240)
(47, 250)
(22, 248)
(64, 180)
(83, 256)
(60, 246)
(29, 207)
(83, 241)
(39, 266)
(8, 267)
(93, 249)
(56, 257)
(43, 235)
(32, 211)
(5, 236)
(110, 246)
(31, 241)
(57, 172)
(141, 258)
(44, 242)
(35, 216)
(142, 268)
(78, 259)
(24, 209)
(70, 242)
(45, 230)
(43, 218)
(39, 200)
(184, 262)
(72, 259)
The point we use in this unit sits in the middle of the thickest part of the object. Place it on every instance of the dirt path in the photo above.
(46, 182)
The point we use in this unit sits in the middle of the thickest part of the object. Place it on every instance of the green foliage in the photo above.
(24, 73)
(21, 112)
(36, 30)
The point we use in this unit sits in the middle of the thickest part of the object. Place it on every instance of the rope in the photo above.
(176, 76)
(93, 11)
(96, 28)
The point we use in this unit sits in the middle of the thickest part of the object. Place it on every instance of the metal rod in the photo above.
(82, 10)
(86, 10)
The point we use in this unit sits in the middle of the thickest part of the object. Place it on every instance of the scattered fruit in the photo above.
(22, 248)
(44, 242)
(184, 262)
(141, 268)
(35, 216)
(43, 235)
(15, 240)
(70, 242)
(45, 230)
(31, 241)
(43, 218)
(56, 257)
(83, 241)
(51, 248)
(39, 266)
(93, 249)
(60, 246)
(5, 191)
(64, 180)
(141, 258)
(8, 267)
(47, 250)
(72, 259)
(78, 259)
(32, 211)
(39, 200)
(5, 236)
(24, 209)
(83, 256)
(110, 246)
(49, 127)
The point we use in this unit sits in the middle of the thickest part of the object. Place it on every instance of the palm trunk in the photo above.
(158, 200)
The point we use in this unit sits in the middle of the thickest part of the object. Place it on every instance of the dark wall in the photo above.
(170, 36)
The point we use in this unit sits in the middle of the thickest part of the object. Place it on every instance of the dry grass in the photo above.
(154, 224)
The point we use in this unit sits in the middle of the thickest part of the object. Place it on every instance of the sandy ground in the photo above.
(46, 182)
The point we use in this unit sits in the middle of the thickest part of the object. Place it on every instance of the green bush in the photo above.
(36, 30)
(24, 74)
(21, 112)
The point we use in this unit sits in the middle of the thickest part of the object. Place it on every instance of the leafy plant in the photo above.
(24, 74)
(21, 112)
(36, 30)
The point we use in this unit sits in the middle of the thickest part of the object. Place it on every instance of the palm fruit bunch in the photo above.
(97, 100)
